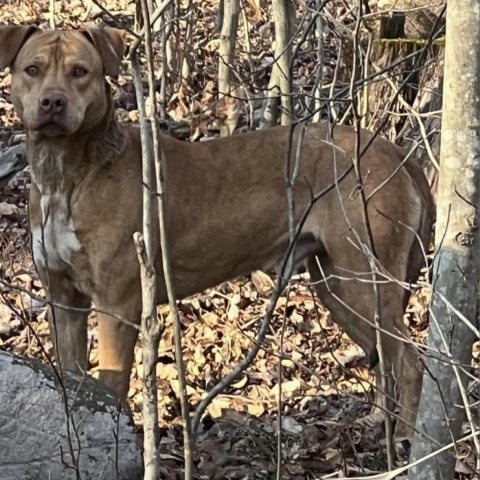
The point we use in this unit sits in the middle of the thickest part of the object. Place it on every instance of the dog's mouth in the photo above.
(50, 128)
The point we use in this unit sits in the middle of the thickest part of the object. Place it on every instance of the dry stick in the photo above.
(147, 163)
(151, 332)
(395, 473)
(364, 101)
(51, 14)
(421, 125)
(70, 422)
(291, 173)
(370, 250)
(53, 322)
(246, 362)
(150, 328)
(317, 92)
(166, 261)
(279, 398)
(137, 35)
(246, 40)
(248, 49)
(314, 100)
(228, 35)
(290, 178)
(280, 285)
(165, 68)
(305, 29)
(166, 59)
(183, 64)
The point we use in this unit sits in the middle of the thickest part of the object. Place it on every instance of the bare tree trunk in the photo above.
(320, 55)
(231, 11)
(150, 329)
(456, 269)
(151, 332)
(279, 85)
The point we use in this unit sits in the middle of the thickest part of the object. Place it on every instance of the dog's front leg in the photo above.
(67, 315)
(116, 340)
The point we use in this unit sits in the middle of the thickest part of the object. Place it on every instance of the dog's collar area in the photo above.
(98, 147)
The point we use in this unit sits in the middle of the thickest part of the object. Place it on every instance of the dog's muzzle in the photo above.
(51, 113)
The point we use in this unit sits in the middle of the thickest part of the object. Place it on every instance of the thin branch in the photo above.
(151, 332)
(166, 260)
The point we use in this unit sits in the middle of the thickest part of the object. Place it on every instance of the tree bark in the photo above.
(231, 11)
(66, 426)
(456, 268)
(279, 87)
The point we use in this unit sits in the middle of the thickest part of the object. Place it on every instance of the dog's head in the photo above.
(58, 77)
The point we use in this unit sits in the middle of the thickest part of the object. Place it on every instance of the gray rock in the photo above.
(52, 428)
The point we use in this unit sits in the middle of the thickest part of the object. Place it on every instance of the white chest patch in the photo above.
(54, 241)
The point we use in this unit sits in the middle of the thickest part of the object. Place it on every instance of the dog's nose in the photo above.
(53, 102)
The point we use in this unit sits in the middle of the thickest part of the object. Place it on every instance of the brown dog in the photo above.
(226, 208)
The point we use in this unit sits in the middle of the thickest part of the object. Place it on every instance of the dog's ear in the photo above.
(110, 45)
(12, 37)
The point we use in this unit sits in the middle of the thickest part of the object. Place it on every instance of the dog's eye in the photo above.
(79, 72)
(32, 70)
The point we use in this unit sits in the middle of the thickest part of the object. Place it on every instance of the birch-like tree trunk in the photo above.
(228, 34)
(456, 269)
(279, 87)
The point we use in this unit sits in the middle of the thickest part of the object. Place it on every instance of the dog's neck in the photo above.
(57, 161)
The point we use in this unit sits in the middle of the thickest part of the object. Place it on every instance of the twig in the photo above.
(51, 14)
(246, 362)
(166, 261)
(317, 90)
(226, 53)
(370, 250)
(50, 303)
(394, 473)
(282, 281)
(279, 398)
(151, 331)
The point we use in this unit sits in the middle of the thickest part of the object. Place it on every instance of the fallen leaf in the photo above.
(263, 283)
(7, 209)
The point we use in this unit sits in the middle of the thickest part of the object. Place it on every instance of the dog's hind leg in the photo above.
(351, 299)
